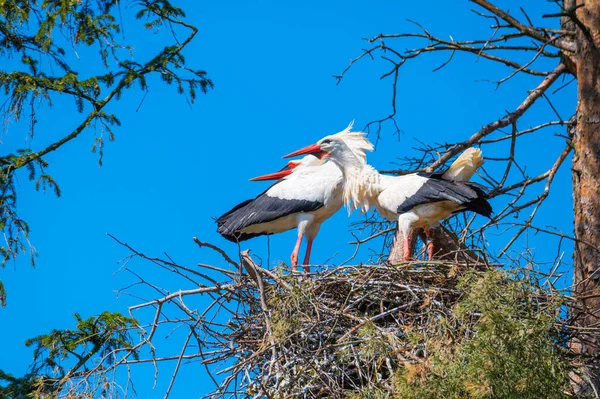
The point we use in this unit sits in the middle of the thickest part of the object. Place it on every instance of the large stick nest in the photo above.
(349, 327)
(384, 331)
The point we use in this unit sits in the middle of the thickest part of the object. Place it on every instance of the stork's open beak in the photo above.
(314, 149)
(285, 171)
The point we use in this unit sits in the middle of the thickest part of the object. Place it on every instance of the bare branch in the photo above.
(528, 30)
(505, 121)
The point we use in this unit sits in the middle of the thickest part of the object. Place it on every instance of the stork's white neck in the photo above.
(361, 181)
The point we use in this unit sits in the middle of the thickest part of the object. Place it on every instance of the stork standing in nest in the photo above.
(308, 192)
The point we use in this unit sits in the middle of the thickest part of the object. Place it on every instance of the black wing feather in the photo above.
(468, 194)
(262, 209)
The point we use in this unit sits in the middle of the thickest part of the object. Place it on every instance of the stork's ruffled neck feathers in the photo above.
(361, 181)
(361, 188)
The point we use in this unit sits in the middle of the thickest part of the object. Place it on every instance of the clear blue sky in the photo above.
(173, 168)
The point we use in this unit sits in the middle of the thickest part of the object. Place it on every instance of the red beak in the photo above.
(287, 170)
(314, 149)
(273, 176)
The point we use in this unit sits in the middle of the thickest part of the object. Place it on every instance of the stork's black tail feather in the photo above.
(228, 224)
(480, 203)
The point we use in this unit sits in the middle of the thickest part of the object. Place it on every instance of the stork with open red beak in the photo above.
(413, 200)
(307, 193)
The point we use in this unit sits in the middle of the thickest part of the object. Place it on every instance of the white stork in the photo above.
(308, 193)
(413, 200)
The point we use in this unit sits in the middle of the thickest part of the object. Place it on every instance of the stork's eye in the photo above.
(326, 141)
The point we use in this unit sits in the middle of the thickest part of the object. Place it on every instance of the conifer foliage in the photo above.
(40, 46)
(63, 357)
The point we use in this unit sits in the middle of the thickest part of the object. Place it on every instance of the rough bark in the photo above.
(586, 176)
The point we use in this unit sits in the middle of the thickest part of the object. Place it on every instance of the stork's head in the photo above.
(343, 147)
(331, 147)
(293, 165)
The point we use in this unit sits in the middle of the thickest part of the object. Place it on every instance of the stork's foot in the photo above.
(306, 262)
(430, 249)
(407, 253)
(429, 243)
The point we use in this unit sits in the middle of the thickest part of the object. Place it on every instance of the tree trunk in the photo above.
(586, 176)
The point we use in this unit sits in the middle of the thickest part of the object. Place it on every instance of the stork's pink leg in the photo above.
(429, 243)
(406, 253)
(294, 256)
(309, 242)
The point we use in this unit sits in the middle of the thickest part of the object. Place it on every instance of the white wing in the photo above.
(312, 183)
(396, 189)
